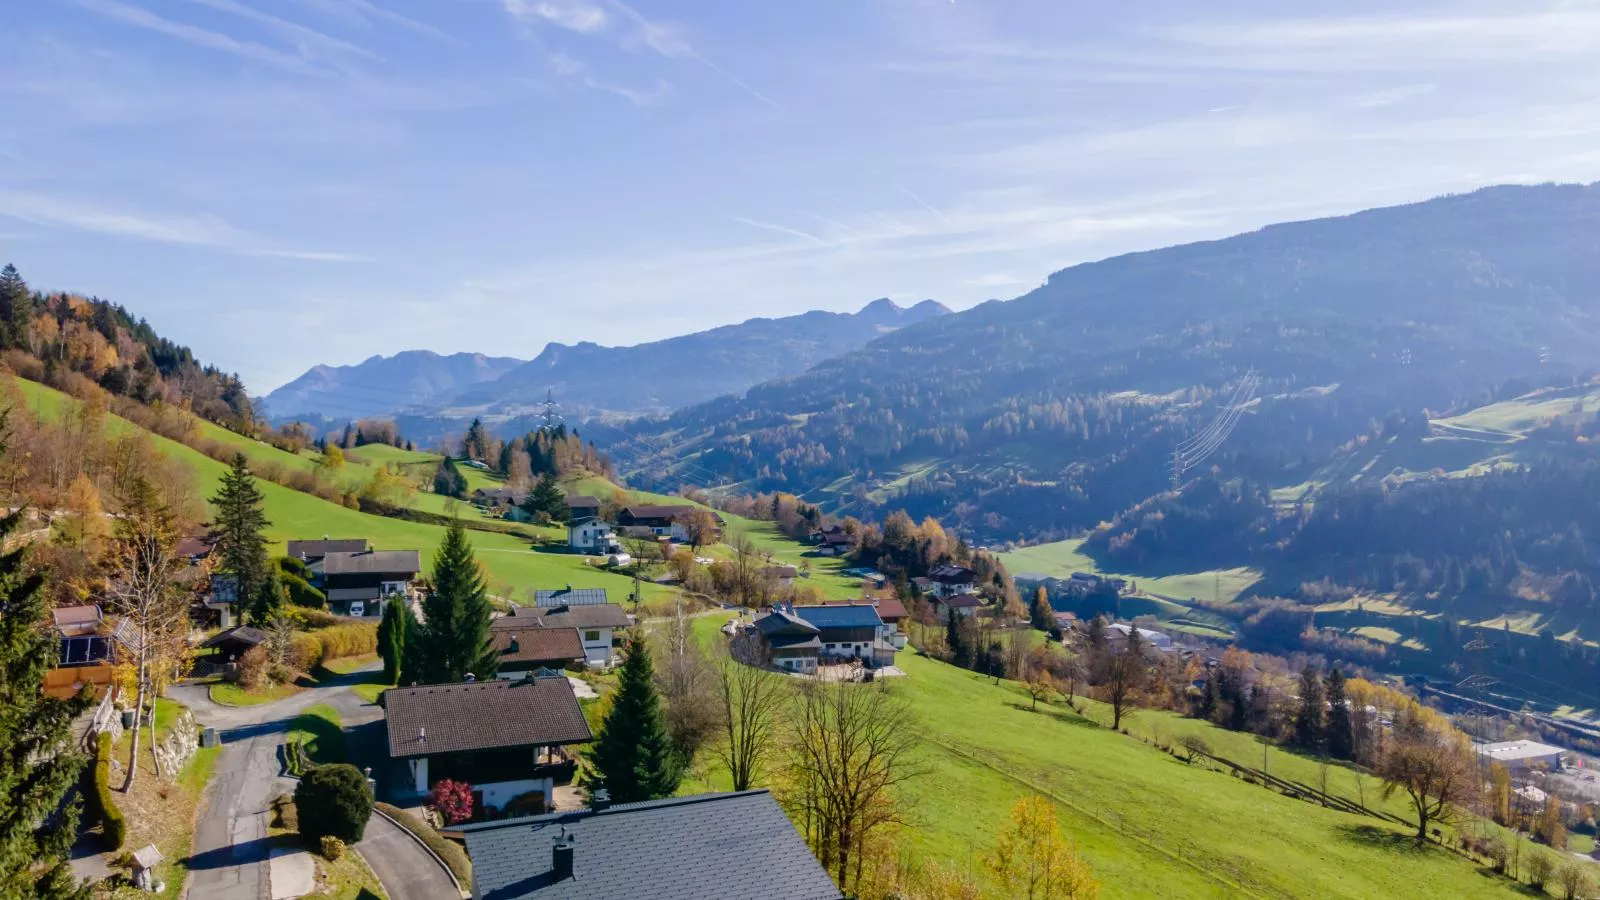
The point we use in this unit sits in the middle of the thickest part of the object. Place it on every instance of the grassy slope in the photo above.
(1150, 825)
(1062, 558)
(513, 568)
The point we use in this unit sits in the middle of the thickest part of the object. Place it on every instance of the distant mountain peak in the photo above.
(881, 306)
(381, 384)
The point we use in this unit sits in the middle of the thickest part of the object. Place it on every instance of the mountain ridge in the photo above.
(380, 384)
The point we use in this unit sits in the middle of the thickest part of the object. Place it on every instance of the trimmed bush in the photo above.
(333, 800)
(102, 805)
(332, 848)
(351, 639)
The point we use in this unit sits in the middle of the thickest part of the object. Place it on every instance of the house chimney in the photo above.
(422, 735)
(561, 859)
(600, 800)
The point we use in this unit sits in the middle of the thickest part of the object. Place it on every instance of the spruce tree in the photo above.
(448, 480)
(456, 615)
(546, 497)
(392, 639)
(955, 638)
(633, 754)
(412, 646)
(241, 547)
(16, 308)
(38, 765)
(1340, 738)
(1308, 719)
(269, 600)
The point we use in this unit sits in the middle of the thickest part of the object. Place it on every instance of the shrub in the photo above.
(454, 857)
(305, 651)
(349, 639)
(253, 667)
(1574, 881)
(313, 619)
(332, 848)
(452, 800)
(1540, 865)
(333, 800)
(301, 593)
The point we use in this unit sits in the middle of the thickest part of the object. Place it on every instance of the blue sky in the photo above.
(284, 182)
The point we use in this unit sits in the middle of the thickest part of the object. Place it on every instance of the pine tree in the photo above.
(1040, 615)
(269, 600)
(456, 616)
(546, 497)
(1339, 734)
(241, 548)
(633, 755)
(38, 765)
(476, 444)
(1209, 697)
(955, 638)
(448, 480)
(1308, 725)
(392, 639)
(412, 644)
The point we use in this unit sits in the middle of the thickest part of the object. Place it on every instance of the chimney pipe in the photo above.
(471, 678)
(561, 860)
(600, 800)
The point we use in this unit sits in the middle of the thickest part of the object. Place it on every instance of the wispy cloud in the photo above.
(623, 26)
(365, 13)
(199, 231)
(781, 229)
(302, 36)
(199, 37)
(923, 203)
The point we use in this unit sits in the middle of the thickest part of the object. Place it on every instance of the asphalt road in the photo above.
(230, 847)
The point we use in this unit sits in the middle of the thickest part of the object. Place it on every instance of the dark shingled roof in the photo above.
(582, 501)
(318, 549)
(606, 615)
(856, 615)
(536, 644)
(569, 596)
(373, 562)
(960, 601)
(482, 715)
(735, 846)
(951, 574)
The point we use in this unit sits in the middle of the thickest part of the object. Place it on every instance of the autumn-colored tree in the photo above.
(1040, 614)
(1435, 770)
(700, 526)
(1552, 827)
(89, 526)
(452, 800)
(1499, 794)
(1033, 859)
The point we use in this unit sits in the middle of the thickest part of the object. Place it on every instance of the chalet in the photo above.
(505, 738)
(523, 650)
(891, 611)
(498, 498)
(798, 638)
(234, 642)
(581, 506)
(781, 576)
(788, 642)
(661, 521)
(729, 846)
(832, 541)
(310, 552)
(949, 580)
(591, 535)
(1083, 584)
(596, 625)
(358, 584)
(222, 598)
(964, 605)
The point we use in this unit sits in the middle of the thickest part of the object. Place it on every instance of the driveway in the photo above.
(230, 855)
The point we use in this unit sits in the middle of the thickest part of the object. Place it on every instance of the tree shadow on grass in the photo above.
(1065, 716)
(1383, 839)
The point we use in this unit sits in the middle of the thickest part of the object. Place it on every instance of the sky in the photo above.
(279, 183)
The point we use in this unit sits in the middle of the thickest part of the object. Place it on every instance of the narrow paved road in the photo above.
(230, 845)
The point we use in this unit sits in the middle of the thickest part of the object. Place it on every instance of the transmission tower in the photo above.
(552, 411)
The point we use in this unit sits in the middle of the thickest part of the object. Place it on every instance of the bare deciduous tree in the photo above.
(751, 699)
(1434, 770)
(144, 594)
(685, 680)
(850, 748)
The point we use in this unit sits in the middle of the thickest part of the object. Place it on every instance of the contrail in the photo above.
(925, 205)
(780, 228)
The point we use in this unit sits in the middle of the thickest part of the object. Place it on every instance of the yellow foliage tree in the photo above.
(1033, 859)
(89, 527)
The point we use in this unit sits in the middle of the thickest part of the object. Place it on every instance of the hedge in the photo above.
(312, 649)
(454, 857)
(102, 806)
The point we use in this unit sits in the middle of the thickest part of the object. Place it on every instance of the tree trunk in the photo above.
(155, 759)
(138, 710)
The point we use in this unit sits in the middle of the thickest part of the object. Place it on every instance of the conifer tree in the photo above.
(16, 308)
(955, 638)
(412, 647)
(241, 547)
(456, 616)
(633, 754)
(38, 765)
(1340, 735)
(546, 497)
(448, 480)
(392, 639)
(1308, 719)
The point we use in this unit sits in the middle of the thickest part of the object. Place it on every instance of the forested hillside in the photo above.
(1054, 411)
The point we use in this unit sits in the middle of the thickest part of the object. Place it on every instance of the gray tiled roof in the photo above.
(446, 718)
(373, 562)
(605, 615)
(735, 846)
(569, 597)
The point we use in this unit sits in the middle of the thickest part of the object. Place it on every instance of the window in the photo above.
(591, 636)
(832, 646)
